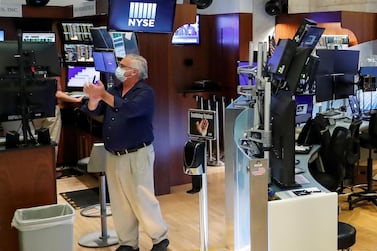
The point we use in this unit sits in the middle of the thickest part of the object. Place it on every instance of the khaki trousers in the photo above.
(134, 206)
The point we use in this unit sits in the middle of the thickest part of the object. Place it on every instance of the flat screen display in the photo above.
(124, 43)
(304, 108)
(39, 37)
(78, 75)
(76, 32)
(101, 38)
(311, 37)
(2, 35)
(155, 16)
(187, 34)
(74, 53)
(104, 61)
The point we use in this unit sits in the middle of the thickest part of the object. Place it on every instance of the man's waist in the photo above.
(129, 150)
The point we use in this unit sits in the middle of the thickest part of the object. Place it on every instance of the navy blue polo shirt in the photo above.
(129, 123)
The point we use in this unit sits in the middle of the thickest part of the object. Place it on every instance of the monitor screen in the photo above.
(349, 61)
(78, 75)
(304, 108)
(344, 86)
(101, 38)
(155, 16)
(311, 37)
(124, 43)
(2, 35)
(323, 88)
(76, 53)
(105, 61)
(76, 32)
(187, 34)
(46, 57)
(282, 153)
(39, 96)
(39, 37)
(338, 61)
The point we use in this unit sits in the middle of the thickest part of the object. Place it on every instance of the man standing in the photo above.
(128, 111)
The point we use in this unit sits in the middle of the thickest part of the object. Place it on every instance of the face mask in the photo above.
(119, 73)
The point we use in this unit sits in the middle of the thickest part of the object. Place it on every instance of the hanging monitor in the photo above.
(187, 34)
(105, 61)
(156, 16)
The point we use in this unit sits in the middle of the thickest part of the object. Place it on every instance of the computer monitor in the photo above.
(78, 53)
(78, 75)
(2, 35)
(124, 43)
(36, 97)
(304, 108)
(46, 57)
(296, 68)
(282, 153)
(323, 88)
(101, 38)
(311, 36)
(187, 34)
(155, 16)
(344, 85)
(39, 37)
(338, 61)
(76, 32)
(105, 61)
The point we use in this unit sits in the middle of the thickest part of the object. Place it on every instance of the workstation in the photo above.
(299, 190)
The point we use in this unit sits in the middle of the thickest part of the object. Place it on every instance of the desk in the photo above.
(27, 179)
(294, 223)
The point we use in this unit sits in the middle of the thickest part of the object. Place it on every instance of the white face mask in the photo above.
(119, 73)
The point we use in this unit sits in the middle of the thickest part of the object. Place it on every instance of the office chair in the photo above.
(352, 155)
(334, 161)
(368, 140)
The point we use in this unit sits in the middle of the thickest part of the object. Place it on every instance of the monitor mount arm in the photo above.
(257, 140)
(21, 58)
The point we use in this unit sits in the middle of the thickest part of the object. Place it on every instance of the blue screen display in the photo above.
(156, 16)
(104, 61)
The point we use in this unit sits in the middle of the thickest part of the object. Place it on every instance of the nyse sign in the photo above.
(141, 22)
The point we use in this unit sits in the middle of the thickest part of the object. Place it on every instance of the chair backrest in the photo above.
(372, 128)
(353, 147)
(335, 163)
(97, 159)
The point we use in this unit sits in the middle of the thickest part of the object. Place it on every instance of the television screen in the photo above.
(78, 75)
(40, 99)
(38, 37)
(124, 43)
(46, 57)
(105, 61)
(78, 53)
(2, 35)
(187, 34)
(155, 16)
(76, 32)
